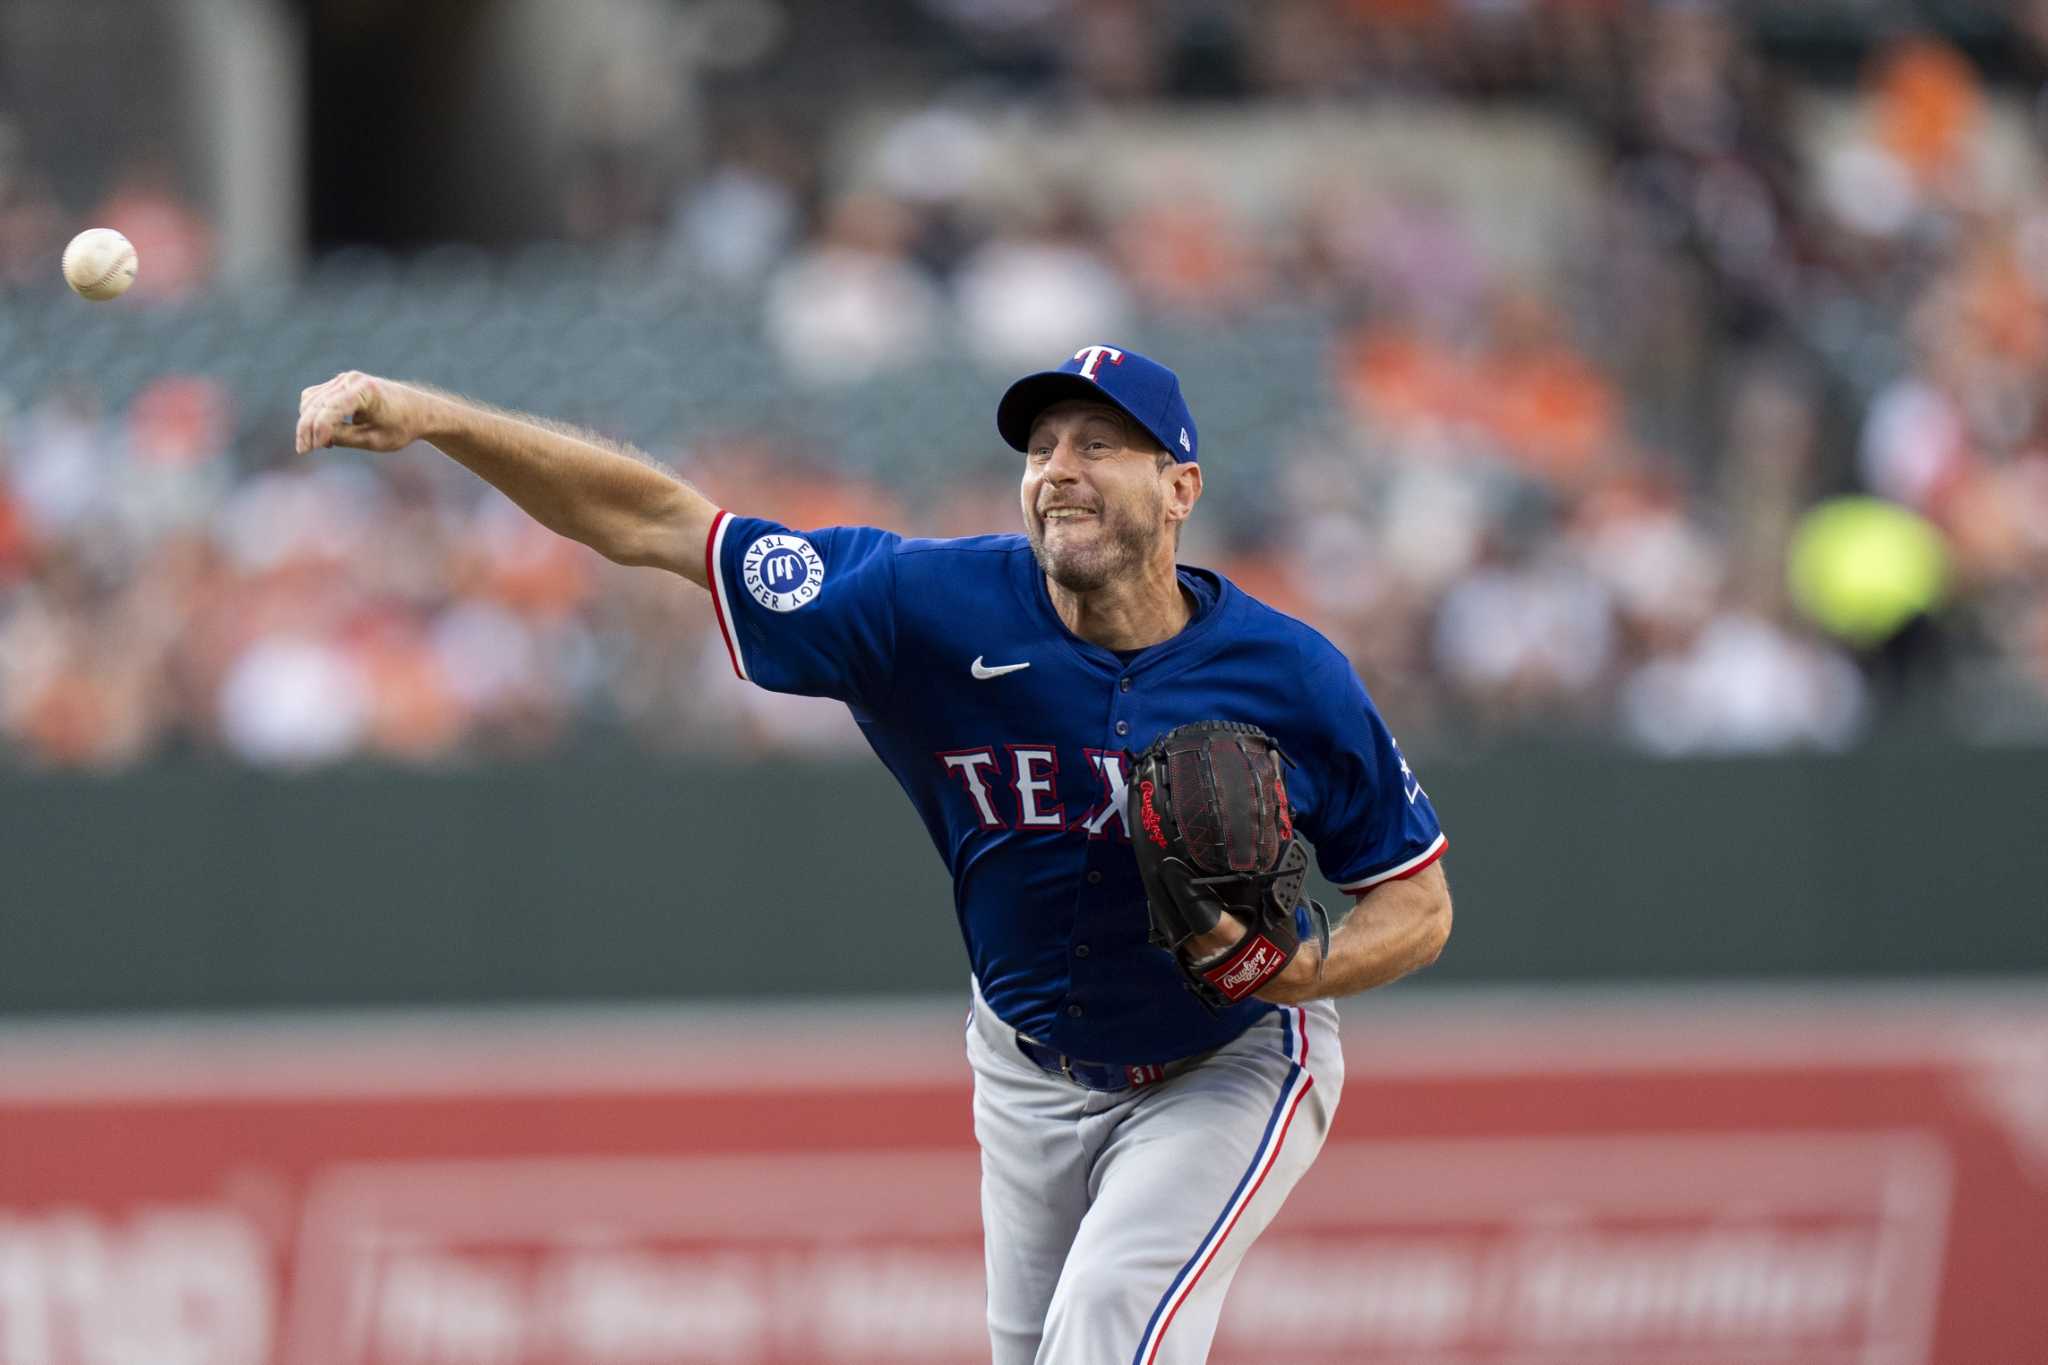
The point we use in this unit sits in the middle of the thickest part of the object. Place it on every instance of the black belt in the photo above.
(1107, 1076)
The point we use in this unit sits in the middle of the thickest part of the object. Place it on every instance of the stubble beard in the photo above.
(1125, 543)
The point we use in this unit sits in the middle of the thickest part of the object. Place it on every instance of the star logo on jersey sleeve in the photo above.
(1411, 785)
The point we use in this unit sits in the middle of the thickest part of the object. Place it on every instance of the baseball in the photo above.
(99, 264)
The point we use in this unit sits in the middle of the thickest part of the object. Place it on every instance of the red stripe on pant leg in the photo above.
(1187, 1290)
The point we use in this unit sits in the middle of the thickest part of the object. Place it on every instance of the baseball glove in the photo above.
(1215, 834)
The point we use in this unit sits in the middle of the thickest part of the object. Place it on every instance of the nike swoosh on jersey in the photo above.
(980, 671)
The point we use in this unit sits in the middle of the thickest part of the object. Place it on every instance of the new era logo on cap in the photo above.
(1144, 389)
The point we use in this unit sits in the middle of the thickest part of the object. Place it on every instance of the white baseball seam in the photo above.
(119, 261)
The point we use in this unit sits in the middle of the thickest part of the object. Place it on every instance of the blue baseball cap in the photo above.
(1145, 390)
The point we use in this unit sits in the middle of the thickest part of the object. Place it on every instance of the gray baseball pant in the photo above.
(1113, 1222)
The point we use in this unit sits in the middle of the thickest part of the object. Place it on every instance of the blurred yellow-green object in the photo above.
(1863, 567)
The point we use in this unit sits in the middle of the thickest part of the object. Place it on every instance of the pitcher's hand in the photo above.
(363, 412)
(1296, 981)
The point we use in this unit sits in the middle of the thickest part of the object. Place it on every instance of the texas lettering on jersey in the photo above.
(1016, 790)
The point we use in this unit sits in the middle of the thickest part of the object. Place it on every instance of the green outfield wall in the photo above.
(632, 879)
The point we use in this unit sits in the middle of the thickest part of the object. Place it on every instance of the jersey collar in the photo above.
(1197, 639)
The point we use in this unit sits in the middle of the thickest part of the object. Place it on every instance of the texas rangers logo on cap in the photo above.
(1145, 390)
(1092, 356)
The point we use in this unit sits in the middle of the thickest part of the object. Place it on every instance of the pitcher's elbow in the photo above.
(1438, 933)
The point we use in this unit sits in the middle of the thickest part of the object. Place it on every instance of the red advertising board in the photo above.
(1748, 1181)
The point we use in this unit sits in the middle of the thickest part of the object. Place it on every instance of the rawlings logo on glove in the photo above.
(1147, 816)
(1256, 968)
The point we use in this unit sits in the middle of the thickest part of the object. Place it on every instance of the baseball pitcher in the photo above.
(1119, 759)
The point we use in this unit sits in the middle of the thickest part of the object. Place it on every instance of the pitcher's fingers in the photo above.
(311, 418)
(309, 415)
(350, 386)
(312, 402)
(358, 435)
(325, 416)
(349, 398)
(325, 425)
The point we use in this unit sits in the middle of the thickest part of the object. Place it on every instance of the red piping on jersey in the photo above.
(1360, 887)
(711, 582)
(1402, 877)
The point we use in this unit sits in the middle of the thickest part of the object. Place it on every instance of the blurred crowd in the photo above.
(1751, 458)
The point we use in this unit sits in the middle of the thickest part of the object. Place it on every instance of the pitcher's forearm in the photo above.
(573, 482)
(1395, 929)
(1385, 942)
(576, 484)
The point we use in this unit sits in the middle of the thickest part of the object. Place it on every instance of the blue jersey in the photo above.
(1012, 736)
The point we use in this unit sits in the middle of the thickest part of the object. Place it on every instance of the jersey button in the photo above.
(1123, 684)
(1123, 727)
(1094, 876)
(1080, 950)
(1073, 1011)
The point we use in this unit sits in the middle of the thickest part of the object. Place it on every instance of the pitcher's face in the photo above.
(1094, 495)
